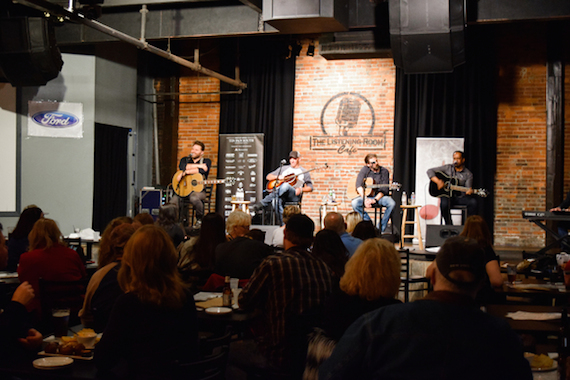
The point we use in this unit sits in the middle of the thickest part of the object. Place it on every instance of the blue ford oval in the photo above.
(55, 119)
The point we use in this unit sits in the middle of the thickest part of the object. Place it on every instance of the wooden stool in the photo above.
(416, 221)
(243, 205)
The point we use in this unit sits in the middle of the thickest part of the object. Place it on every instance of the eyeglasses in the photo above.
(372, 162)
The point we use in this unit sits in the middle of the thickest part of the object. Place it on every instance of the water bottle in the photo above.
(239, 194)
(413, 199)
(330, 196)
(404, 200)
(333, 197)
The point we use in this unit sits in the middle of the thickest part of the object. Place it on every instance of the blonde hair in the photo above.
(237, 218)
(352, 219)
(45, 234)
(149, 268)
(373, 271)
(289, 211)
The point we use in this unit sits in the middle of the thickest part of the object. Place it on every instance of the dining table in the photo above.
(535, 291)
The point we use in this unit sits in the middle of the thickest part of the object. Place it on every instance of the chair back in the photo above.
(58, 294)
(407, 279)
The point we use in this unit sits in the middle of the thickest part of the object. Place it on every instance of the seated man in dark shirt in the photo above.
(241, 255)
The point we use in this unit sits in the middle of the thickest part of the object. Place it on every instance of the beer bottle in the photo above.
(227, 295)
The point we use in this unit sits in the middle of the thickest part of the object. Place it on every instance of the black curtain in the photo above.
(110, 172)
(266, 105)
(459, 104)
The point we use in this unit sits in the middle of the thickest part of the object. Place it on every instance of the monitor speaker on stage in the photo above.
(436, 234)
(29, 55)
(427, 36)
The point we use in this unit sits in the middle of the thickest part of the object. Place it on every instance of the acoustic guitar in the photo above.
(368, 186)
(290, 178)
(195, 182)
(450, 185)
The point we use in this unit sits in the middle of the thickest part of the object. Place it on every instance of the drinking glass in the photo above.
(60, 318)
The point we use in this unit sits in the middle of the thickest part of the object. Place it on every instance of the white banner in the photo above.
(55, 119)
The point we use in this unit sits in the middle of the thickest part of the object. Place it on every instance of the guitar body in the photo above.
(446, 190)
(187, 184)
(351, 192)
(291, 178)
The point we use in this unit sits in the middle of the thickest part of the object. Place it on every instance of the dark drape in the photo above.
(266, 105)
(459, 104)
(110, 172)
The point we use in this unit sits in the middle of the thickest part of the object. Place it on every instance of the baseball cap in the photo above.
(294, 154)
(461, 253)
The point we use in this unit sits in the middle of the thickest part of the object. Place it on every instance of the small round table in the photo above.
(415, 222)
(243, 205)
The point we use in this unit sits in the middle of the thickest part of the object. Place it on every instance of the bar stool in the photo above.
(415, 222)
(243, 205)
(325, 208)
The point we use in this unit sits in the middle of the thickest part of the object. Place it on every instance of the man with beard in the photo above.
(463, 177)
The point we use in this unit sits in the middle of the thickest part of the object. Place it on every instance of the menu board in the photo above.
(241, 157)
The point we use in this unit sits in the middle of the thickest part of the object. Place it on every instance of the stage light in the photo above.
(311, 49)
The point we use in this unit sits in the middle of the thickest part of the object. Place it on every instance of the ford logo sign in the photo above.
(55, 119)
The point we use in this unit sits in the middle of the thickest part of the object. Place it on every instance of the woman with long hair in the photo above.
(18, 240)
(168, 220)
(103, 288)
(48, 258)
(352, 219)
(154, 322)
(105, 242)
(371, 280)
(328, 247)
(198, 255)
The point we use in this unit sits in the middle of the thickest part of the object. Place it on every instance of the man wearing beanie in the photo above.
(442, 336)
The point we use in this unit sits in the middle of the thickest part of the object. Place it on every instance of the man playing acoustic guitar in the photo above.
(456, 172)
(286, 191)
(193, 164)
(380, 196)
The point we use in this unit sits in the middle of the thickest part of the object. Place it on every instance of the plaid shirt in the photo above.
(285, 285)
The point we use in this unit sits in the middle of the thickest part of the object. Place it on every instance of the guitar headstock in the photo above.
(395, 186)
(230, 181)
(480, 192)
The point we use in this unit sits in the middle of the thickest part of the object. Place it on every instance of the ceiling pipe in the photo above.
(55, 9)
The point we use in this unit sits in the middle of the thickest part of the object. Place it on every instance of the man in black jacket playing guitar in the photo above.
(454, 174)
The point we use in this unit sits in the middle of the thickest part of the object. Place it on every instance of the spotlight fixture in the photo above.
(311, 49)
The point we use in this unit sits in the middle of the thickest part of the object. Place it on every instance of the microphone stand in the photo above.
(276, 213)
(364, 192)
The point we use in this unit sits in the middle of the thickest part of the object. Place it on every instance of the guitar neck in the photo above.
(212, 181)
(459, 188)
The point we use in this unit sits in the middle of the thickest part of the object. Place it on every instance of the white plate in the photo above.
(52, 362)
(554, 366)
(218, 310)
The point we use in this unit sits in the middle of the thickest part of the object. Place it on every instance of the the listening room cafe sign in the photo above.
(347, 125)
(55, 119)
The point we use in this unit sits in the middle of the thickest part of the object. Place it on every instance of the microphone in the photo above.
(283, 161)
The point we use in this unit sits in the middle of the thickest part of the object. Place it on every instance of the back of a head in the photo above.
(373, 271)
(167, 215)
(476, 228)
(299, 230)
(461, 262)
(289, 211)
(213, 227)
(117, 241)
(26, 222)
(256, 234)
(365, 230)
(143, 219)
(236, 219)
(329, 247)
(45, 234)
(335, 221)
(352, 219)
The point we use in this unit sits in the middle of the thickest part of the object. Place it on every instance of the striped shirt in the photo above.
(283, 286)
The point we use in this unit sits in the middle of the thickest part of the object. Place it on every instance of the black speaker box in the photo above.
(436, 234)
(427, 36)
(28, 52)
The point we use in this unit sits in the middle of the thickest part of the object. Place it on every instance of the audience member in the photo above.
(49, 259)
(241, 255)
(198, 254)
(442, 336)
(256, 234)
(3, 249)
(168, 220)
(142, 219)
(103, 288)
(18, 240)
(365, 230)
(329, 247)
(335, 222)
(154, 322)
(15, 331)
(104, 242)
(289, 287)
(277, 237)
(352, 219)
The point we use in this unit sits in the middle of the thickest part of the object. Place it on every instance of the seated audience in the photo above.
(352, 219)
(329, 247)
(289, 288)
(256, 234)
(103, 288)
(442, 336)
(198, 254)
(241, 255)
(154, 322)
(277, 237)
(365, 230)
(49, 259)
(335, 222)
(15, 331)
(142, 219)
(104, 242)
(168, 220)
(18, 240)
